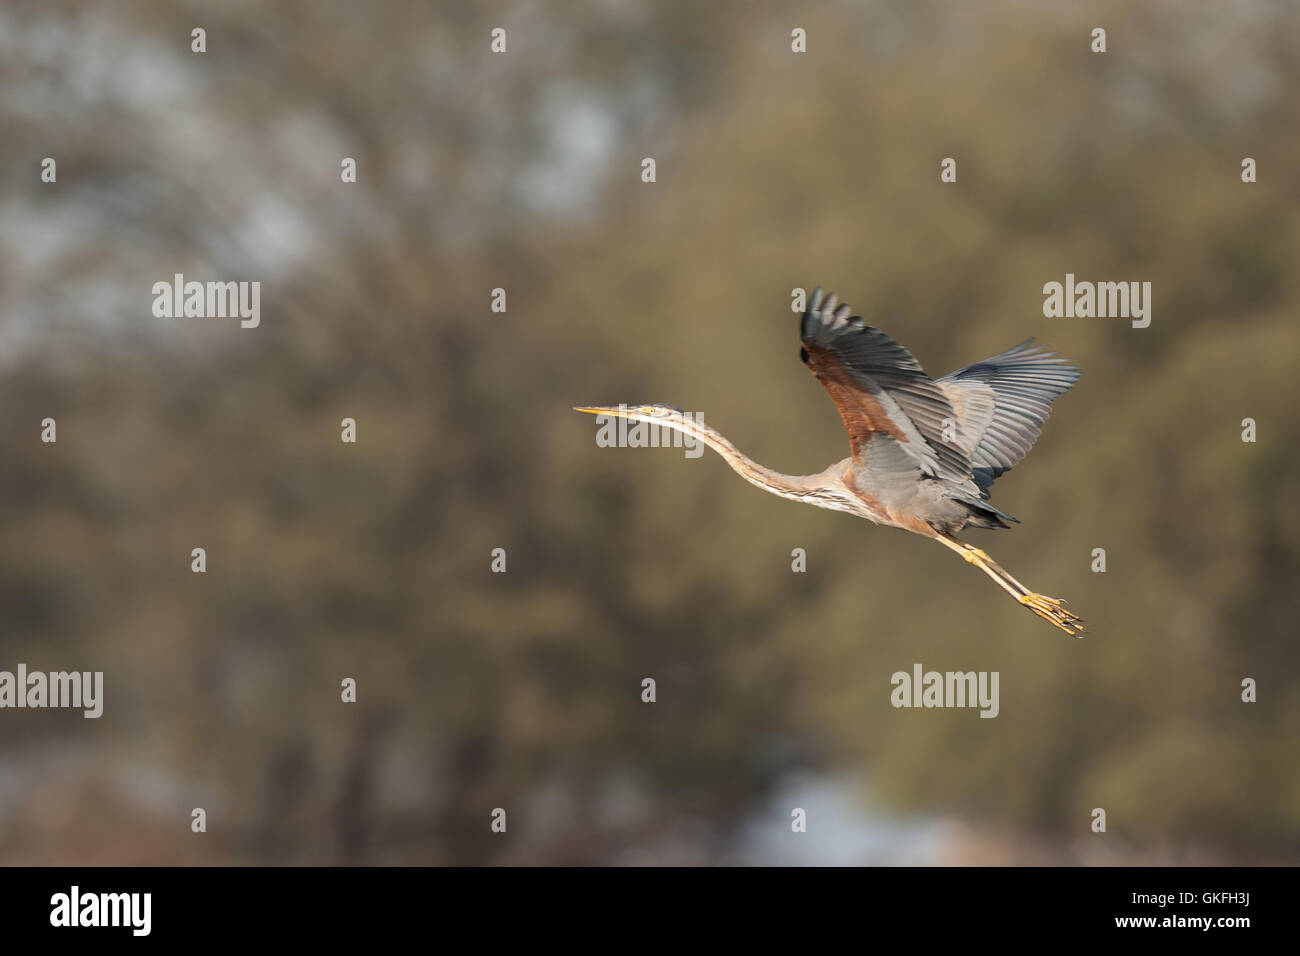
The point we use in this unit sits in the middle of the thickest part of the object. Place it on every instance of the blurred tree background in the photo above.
(522, 171)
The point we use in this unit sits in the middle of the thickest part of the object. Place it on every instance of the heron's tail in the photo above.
(985, 515)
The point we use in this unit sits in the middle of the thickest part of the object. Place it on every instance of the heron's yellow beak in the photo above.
(600, 409)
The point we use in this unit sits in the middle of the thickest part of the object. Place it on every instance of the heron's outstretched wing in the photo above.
(881, 391)
(1002, 403)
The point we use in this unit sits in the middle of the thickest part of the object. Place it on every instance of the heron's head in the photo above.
(657, 413)
(690, 431)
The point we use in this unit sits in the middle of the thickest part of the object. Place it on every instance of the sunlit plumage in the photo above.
(924, 452)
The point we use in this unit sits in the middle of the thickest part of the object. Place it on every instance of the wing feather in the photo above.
(1006, 398)
(880, 389)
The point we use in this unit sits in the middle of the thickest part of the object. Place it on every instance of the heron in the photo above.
(924, 453)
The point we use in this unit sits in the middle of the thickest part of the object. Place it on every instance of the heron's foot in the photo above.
(976, 556)
(1051, 609)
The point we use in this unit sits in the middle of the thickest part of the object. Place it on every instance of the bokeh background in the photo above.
(522, 690)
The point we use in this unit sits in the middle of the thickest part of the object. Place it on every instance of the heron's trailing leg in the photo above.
(1048, 608)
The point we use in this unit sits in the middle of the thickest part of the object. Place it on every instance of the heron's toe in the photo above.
(1051, 609)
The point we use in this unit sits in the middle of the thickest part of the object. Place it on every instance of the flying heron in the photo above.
(923, 452)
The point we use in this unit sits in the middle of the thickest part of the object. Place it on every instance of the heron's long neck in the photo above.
(797, 487)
